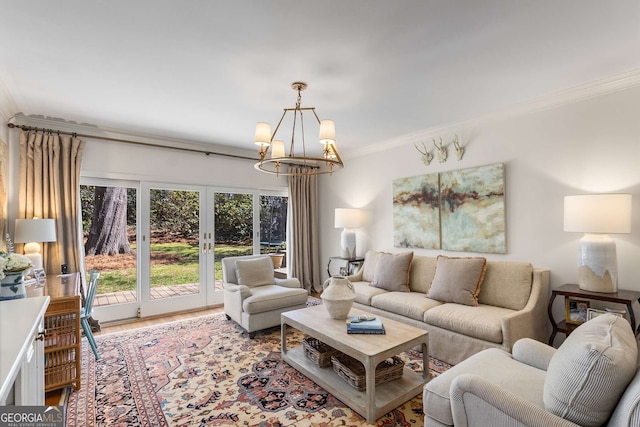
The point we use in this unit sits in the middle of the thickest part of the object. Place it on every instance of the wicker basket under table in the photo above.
(352, 371)
(318, 352)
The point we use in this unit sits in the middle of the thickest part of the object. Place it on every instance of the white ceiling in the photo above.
(207, 70)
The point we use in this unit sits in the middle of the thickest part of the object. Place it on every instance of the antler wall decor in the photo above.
(459, 148)
(441, 151)
(427, 155)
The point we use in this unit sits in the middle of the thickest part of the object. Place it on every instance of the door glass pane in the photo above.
(174, 243)
(109, 232)
(273, 228)
(233, 228)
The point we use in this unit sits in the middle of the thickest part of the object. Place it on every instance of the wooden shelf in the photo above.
(62, 345)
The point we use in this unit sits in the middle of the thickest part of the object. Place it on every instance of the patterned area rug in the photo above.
(207, 372)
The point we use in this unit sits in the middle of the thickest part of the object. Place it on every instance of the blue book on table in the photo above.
(370, 325)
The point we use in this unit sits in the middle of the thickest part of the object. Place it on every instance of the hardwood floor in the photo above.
(125, 325)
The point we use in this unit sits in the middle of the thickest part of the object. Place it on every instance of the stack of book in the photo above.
(364, 325)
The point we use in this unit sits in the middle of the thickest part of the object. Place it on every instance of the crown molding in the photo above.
(55, 123)
(572, 95)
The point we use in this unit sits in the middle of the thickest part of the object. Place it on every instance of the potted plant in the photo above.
(12, 270)
(278, 257)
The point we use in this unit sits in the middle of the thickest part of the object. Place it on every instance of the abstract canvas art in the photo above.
(460, 210)
(472, 209)
(416, 212)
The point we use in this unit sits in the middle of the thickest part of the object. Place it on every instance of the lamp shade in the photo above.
(347, 218)
(327, 132)
(35, 230)
(263, 134)
(598, 213)
(277, 149)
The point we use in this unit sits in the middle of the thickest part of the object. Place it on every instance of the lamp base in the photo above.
(348, 243)
(597, 264)
(589, 281)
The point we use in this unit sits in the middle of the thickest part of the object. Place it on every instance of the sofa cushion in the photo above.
(255, 272)
(483, 322)
(506, 284)
(364, 292)
(369, 265)
(273, 297)
(392, 272)
(457, 280)
(590, 371)
(494, 365)
(407, 304)
(423, 269)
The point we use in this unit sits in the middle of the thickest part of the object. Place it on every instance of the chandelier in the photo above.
(273, 158)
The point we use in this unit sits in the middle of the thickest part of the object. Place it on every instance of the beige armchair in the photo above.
(590, 380)
(253, 297)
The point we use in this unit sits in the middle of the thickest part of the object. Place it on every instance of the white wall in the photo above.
(118, 160)
(586, 146)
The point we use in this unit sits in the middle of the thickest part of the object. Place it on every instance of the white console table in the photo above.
(22, 351)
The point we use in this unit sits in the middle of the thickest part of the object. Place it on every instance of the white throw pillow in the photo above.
(255, 272)
(590, 371)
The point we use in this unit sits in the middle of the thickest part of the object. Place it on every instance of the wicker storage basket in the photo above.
(352, 371)
(318, 351)
(62, 344)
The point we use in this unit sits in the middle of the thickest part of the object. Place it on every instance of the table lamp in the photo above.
(347, 219)
(598, 215)
(32, 232)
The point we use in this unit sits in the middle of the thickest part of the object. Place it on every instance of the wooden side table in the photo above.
(572, 290)
(351, 263)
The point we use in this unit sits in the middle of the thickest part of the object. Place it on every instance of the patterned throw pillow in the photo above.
(590, 371)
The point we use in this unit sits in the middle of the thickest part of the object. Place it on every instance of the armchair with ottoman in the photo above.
(592, 379)
(253, 297)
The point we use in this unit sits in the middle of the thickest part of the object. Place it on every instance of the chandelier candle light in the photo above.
(597, 215)
(347, 219)
(298, 161)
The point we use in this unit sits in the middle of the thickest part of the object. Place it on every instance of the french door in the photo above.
(173, 248)
(176, 235)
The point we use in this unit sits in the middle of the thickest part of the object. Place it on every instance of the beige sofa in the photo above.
(511, 303)
(592, 379)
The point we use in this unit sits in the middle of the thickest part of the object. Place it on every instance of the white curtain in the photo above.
(303, 220)
(50, 188)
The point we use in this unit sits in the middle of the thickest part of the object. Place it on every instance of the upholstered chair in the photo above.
(592, 379)
(253, 297)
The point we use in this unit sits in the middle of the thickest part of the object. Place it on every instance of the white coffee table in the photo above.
(368, 349)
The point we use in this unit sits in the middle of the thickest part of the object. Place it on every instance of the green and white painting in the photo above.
(472, 209)
(416, 212)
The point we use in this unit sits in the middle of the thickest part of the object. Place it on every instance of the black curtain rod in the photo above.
(126, 141)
